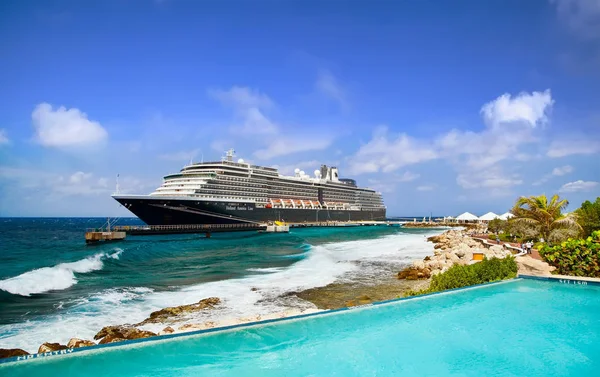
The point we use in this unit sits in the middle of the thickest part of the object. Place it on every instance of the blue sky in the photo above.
(443, 106)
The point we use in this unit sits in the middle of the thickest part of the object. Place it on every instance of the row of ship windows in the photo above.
(251, 192)
(286, 185)
(246, 196)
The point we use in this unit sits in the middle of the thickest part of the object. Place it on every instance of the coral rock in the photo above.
(77, 343)
(167, 330)
(167, 313)
(12, 352)
(191, 326)
(111, 334)
(49, 347)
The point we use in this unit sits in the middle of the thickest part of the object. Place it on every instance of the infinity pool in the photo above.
(517, 328)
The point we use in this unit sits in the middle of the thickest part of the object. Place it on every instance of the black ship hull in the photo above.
(167, 211)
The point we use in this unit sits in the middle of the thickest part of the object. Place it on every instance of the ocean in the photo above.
(54, 287)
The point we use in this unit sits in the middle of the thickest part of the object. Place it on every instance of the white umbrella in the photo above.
(489, 216)
(467, 216)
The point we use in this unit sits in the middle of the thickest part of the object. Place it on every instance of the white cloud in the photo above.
(530, 109)
(387, 153)
(408, 177)
(476, 156)
(557, 172)
(249, 106)
(425, 188)
(282, 145)
(328, 85)
(242, 97)
(79, 177)
(3, 138)
(50, 185)
(490, 178)
(582, 17)
(568, 147)
(65, 127)
(578, 186)
(180, 156)
(562, 170)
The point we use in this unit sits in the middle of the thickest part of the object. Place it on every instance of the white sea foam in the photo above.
(323, 265)
(58, 277)
(266, 270)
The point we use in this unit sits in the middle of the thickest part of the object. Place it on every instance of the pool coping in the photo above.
(563, 279)
(70, 351)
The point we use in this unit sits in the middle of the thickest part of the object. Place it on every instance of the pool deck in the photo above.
(561, 279)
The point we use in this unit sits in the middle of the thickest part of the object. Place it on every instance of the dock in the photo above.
(119, 232)
(141, 230)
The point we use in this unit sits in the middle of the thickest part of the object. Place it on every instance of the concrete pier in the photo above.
(93, 236)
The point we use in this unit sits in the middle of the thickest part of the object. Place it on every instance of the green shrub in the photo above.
(576, 257)
(504, 237)
(485, 271)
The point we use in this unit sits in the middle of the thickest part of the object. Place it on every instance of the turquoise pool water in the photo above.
(518, 328)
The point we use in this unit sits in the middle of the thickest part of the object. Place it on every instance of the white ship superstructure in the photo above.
(246, 186)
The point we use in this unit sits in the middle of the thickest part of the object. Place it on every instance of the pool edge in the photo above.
(563, 279)
(42, 356)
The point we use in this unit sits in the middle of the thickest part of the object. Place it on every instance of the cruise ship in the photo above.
(226, 192)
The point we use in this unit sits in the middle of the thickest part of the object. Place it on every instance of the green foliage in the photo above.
(485, 271)
(523, 231)
(545, 217)
(588, 216)
(504, 237)
(497, 225)
(576, 257)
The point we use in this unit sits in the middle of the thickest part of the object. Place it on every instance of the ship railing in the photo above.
(125, 228)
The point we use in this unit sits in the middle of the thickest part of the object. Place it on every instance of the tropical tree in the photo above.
(546, 217)
(497, 225)
(588, 216)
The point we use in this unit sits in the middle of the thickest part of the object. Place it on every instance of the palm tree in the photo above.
(546, 217)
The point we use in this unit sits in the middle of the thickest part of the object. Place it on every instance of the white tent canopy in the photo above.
(506, 216)
(489, 216)
(467, 217)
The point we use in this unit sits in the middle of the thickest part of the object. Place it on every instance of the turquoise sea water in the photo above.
(519, 328)
(54, 287)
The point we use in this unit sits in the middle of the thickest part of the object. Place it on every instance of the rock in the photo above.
(192, 326)
(413, 273)
(12, 352)
(111, 339)
(529, 266)
(364, 299)
(166, 330)
(167, 313)
(435, 239)
(49, 347)
(419, 264)
(111, 334)
(77, 343)
(254, 289)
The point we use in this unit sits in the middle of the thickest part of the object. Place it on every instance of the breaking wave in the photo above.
(59, 277)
